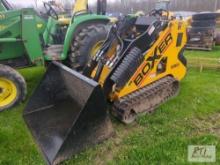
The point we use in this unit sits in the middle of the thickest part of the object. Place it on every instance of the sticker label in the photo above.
(150, 62)
(201, 154)
(28, 17)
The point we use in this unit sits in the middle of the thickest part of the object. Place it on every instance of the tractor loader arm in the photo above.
(19, 24)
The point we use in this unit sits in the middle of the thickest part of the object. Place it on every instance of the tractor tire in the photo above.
(208, 23)
(86, 44)
(205, 16)
(13, 88)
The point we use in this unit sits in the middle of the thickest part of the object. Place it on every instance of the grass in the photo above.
(204, 54)
(163, 137)
(204, 59)
(16, 145)
(160, 138)
(164, 134)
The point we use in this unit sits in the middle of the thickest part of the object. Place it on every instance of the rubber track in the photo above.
(146, 99)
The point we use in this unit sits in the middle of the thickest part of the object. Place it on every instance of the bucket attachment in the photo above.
(66, 114)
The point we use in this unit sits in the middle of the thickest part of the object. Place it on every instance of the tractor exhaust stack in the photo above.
(66, 114)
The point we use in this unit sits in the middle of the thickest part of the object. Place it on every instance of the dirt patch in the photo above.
(210, 124)
(108, 151)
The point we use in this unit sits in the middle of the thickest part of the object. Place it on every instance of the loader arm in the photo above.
(20, 24)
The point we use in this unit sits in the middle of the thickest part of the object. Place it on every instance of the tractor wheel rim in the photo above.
(96, 48)
(8, 92)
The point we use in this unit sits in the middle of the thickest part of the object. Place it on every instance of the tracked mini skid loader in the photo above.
(138, 68)
(146, 67)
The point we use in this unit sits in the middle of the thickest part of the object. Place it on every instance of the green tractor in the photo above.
(24, 42)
